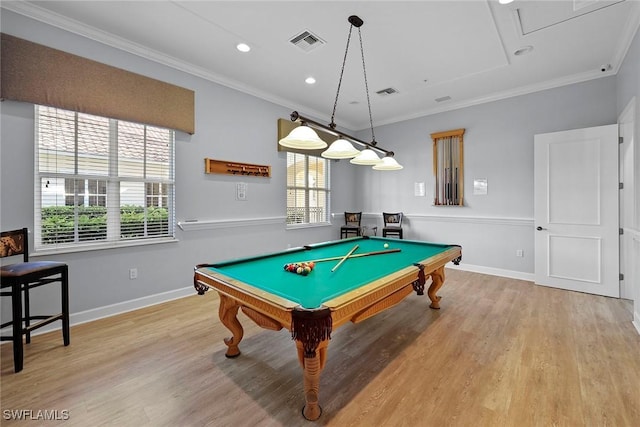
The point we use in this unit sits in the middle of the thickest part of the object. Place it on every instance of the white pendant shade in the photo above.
(367, 157)
(340, 149)
(304, 138)
(388, 164)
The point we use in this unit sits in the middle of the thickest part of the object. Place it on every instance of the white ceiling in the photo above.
(426, 50)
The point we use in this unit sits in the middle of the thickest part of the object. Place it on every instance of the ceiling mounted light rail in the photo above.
(304, 137)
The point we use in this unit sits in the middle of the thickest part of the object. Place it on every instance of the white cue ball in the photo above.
(386, 245)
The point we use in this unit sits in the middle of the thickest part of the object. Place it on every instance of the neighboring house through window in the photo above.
(101, 180)
(307, 189)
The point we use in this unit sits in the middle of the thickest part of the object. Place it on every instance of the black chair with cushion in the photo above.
(351, 224)
(20, 278)
(392, 224)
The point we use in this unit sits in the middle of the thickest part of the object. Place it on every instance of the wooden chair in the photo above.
(20, 278)
(351, 224)
(392, 224)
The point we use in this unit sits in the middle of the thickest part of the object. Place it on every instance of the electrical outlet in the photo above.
(133, 273)
(519, 253)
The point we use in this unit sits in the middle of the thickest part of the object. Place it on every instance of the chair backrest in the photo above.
(353, 218)
(392, 219)
(15, 242)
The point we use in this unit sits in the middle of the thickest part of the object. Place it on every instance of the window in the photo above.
(307, 189)
(101, 181)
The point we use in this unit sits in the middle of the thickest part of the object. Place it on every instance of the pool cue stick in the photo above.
(344, 258)
(333, 258)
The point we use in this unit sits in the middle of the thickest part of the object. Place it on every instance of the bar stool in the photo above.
(21, 277)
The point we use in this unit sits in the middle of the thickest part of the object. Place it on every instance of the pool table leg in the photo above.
(437, 280)
(228, 312)
(312, 367)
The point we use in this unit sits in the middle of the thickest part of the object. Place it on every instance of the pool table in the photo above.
(378, 274)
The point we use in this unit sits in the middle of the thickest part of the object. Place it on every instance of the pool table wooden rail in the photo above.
(372, 298)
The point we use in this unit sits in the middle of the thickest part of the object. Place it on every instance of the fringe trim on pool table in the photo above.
(311, 328)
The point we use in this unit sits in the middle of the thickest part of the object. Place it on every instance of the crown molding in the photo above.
(497, 96)
(47, 17)
(43, 15)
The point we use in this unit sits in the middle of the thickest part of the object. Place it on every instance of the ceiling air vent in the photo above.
(307, 41)
(387, 91)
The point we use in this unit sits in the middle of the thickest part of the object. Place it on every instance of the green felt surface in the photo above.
(267, 272)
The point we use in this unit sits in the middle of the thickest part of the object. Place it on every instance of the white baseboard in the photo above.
(113, 309)
(493, 271)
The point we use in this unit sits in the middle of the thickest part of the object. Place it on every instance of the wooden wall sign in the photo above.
(236, 168)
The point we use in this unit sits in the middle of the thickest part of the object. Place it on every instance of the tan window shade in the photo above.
(41, 75)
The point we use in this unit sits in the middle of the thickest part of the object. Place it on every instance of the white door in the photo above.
(576, 210)
(626, 126)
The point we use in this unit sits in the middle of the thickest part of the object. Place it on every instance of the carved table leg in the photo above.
(437, 280)
(228, 312)
(312, 367)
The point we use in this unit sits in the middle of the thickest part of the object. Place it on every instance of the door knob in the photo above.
(540, 228)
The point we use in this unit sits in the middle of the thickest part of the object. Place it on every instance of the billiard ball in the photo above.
(386, 245)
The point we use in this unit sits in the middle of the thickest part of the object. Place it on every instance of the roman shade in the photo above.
(42, 75)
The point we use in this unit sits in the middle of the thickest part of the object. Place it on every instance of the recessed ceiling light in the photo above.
(523, 50)
(243, 47)
(309, 80)
(505, 1)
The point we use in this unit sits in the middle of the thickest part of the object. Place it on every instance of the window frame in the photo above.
(307, 192)
(114, 233)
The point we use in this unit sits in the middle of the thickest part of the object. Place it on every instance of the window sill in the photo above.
(99, 246)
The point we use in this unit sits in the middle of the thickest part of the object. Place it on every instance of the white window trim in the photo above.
(112, 209)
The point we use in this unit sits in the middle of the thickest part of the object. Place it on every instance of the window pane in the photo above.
(307, 189)
(132, 212)
(296, 206)
(131, 150)
(57, 220)
(93, 145)
(56, 140)
(316, 170)
(92, 223)
(158, 153)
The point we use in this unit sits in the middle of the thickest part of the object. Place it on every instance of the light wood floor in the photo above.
(500, 352)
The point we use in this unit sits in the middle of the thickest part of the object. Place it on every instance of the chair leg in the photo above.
(16, 308)
(27, 312)
(65, 306)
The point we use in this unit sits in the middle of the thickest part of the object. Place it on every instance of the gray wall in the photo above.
(234, 126)
(498, 146)
(230, 125)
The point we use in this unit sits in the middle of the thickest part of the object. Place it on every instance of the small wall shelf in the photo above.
(236, 168)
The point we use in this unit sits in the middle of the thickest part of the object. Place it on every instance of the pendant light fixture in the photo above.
(388, 163)
(342, 148)
(367, 157)
(304, 138)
